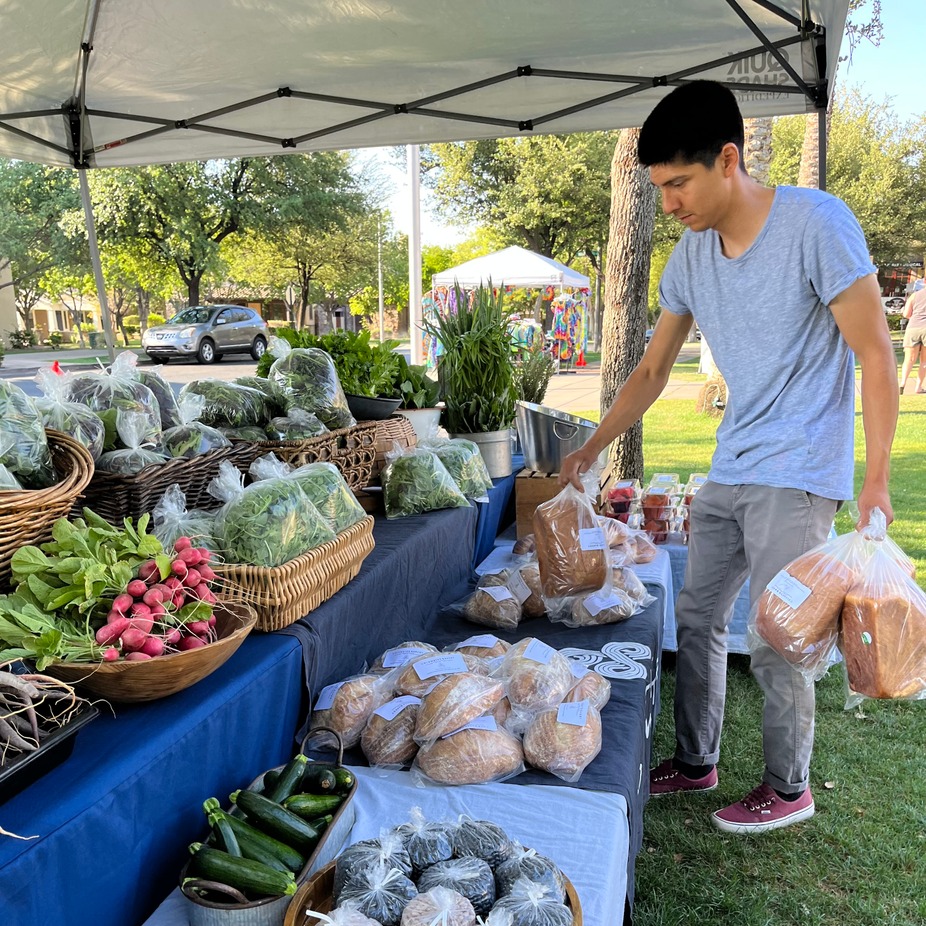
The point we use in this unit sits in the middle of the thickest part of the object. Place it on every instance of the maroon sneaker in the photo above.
(762, 810)
(665, 778)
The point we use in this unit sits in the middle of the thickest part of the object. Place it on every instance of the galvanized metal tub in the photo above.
(548, 435)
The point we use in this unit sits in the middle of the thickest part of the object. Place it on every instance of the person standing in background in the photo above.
(914, 340)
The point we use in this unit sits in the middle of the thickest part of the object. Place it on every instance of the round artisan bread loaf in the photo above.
(533, 606)
(592, 687)
(390, 741)
(353, 703)
(472, 756)
(498, 648)
(440, 905)
(563, 749)
(454, 702)
(534, 685)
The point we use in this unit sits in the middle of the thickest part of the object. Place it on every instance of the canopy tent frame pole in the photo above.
(415, 325)
(97, 266)
(822, 152)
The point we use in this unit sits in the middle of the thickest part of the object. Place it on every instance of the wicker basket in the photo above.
(295, 452)
(315, 896)
(163, 675)
(283, 594)
(115, 497)
(395, 430)
(27, 516)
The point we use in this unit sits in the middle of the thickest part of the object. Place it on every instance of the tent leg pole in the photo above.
(821, 155)
(95, 261)
(414, 257)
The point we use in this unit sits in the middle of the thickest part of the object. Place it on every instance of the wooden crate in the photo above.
(531, 489)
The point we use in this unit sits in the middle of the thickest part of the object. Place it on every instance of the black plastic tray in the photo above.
(28, 767)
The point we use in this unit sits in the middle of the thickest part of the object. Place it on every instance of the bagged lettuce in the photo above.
(172, 520)
(192, 438)
(27, 456)
(70, 418)
(136, 452)
(297, 425)
(415, 481)
(229, 405)
(463, 460)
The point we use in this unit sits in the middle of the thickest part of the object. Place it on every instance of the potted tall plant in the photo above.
(476, 373)
(420, 396)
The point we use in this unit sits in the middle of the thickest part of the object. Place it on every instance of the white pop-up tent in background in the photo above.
(512, 266)
(97, 83)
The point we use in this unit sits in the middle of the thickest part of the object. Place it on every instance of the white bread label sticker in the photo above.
(448, 664)
(326, 696)
(573, 712)
(393, 708)
(402, 656)
(482, 640)
(789, 590)
(519, 588)
(592, 538)
(538, 651)
(498, 592)
(577, 669)
(596, 603)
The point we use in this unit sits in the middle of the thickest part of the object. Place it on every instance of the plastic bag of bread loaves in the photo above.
(493, 605)
(388, 740)
(606, 606)
(484, 645)
(537, 676)
(348, 915)
(381, 893)
(346, 706)
(525, 546)
(418, 676)
(797, 615)
(524, 584)
(529, 903)
(625, 579)
(439, 905)
(480, 752)
(454, 702)
(564, 740)
(641, 547)
(401, 655)
(883, 632)
(571, 547)
(615, 532)
(589, 686)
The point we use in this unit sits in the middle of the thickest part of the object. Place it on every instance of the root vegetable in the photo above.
(190, 556)
(172, 637)
(133, 639)
(153, 596)
(172, 582)
(109, 633)
(179, 599)
(122, 603)
(192, 642)
(110, 655)
(178, 568)
(200, 628)
(206, 572)
(149, 570)
(136, 588)
(182, 543)
(136, 656)
(193, 578)
(154, 646)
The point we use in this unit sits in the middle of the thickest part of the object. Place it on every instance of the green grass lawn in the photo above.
(861, 861)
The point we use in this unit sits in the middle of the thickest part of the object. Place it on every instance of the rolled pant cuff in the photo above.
(785, 787)
(689, 758)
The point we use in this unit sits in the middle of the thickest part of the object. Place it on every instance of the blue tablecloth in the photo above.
(498, 512)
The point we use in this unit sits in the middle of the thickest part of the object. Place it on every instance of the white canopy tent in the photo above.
(97, 83)
(512, 266)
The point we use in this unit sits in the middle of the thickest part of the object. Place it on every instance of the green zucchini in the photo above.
(343, 778)
(321, 823)
(308, 806)
(250, 836)
(319, 779)
(242, 873)
(270, 780)
(289, 780)
(225, 835)
(248, 848)
(275, 820)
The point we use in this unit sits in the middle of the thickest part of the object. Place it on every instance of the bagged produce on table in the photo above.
(388, 739)
(480, 752)
(279, 402)
(253, 433)
(537, 675)
(348, 915)
(190, 437)
(882, 632)
(439, 906)
(297, 425)
(71, 418)
(308, 378)
(229, 405)
(269, 523)
(463, 461)
(426, 841)
(482, 839)
(118, 389)
(322, 483)
(589, 686)
(525, 546)
(401, 655)
(493, 606)
(421, 673)
(564, 740)
(27, 457)
(388, 850)
(381, 893)
(346, 706)
(471, 877)
(172, 520)
(615, 532)
(7, 480)
(529, 865)
(167, 401)
(524, 583)
(454, 702)
(486, 645)
(641, 547)
(623, 578)
(133, 429)
(415, 481)
(530, 904)
(798, 614)
(606, 606)
(571, 547)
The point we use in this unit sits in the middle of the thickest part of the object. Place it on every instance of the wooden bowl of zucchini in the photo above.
(281, 829)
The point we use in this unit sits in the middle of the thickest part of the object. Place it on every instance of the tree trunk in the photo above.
(809, 174)
(194, 281)
(757, 150)
(626, 294)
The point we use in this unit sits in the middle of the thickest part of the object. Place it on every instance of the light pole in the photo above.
(379, 275)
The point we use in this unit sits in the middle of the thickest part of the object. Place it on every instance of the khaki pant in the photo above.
(740, 532)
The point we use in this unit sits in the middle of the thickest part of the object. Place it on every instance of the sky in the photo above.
(888, 71)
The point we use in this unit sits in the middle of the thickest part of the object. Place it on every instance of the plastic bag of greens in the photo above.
(463, 460)
(527, 864)
(7, 480)
(192, 438)
(173, 520)
(251, 433)
(297, 425)
(266, 524)
(167, 400)
(279, 401)
(324, 485)
(132, 427)
(70, 418)
(229, 405)
(415, 481)
(308, 377)
(28, 457)
(119, 388)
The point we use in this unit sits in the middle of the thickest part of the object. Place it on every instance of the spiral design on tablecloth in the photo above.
(585, 657)
(620, 661)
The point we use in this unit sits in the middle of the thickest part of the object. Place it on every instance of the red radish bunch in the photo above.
(143, 624)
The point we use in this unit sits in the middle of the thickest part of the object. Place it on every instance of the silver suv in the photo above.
(206, 332)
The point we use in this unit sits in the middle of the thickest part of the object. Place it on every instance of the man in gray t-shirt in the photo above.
(781, 285)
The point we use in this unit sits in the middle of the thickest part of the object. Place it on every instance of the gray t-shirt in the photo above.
(789, 420)
(918, 303)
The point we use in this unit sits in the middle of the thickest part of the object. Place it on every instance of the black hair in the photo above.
(691, 124)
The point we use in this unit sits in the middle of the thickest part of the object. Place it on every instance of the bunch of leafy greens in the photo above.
(310, 380)
(417, 481)
(475, 371)
(298, 425)
(193, 440)
(464, 462)
(278, 399)
(229, 405)
(167, 401)
(27, 457)
(532, 376)
(417, 389)
(327, 490)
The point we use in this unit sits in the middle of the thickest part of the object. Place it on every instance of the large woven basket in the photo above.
(163, 675)
(115, 496)
(295, 452)
(27, 516)
(282, 594)
(316, 896)
(390, 431)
